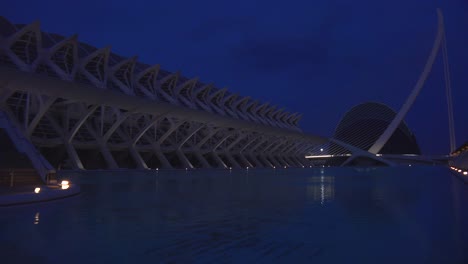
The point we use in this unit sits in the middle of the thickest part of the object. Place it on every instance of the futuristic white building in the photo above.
(372, 133)
(88, 108)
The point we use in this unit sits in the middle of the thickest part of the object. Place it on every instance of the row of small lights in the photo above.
(230, 168)
(459, 170)
(64, 184)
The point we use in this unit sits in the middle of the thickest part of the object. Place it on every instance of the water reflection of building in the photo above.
(321, 188)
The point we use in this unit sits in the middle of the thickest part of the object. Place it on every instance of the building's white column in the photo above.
(141, 164)
(184, 159)
(202, 159)
(76, 162)
(218, 160)
(233, 161)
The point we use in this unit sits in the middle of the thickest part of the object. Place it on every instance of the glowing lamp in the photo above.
(65, 183)
(37, 190)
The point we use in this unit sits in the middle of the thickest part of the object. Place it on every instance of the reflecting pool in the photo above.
(330, 215)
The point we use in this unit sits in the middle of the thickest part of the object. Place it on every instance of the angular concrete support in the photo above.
(285, 162)
(42, 110)
(245, 162)
(183, 159)
(141, 164)
(206, 138)
(272, 160)
(116, 125)
(294, 161)
(233, 161)
(147, 127)
(257, 163)
(162, 158)
(202, 159)
(76, 162)
(80, 123)
(171, 130)
(190, 134)
(279, 159)
(266, 161)
(303, 161)
(218, 160)
(111, 163)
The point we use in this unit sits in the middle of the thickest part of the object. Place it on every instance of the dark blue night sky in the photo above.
(319, 58)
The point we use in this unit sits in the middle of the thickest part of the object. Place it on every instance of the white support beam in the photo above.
(382, 140)
(80, 123)
(43, 108)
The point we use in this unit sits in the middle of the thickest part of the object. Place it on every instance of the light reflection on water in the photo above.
(334, 215)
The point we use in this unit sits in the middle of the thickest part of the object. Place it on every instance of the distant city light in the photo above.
(321, 150)
(65, 183)
(465, 173)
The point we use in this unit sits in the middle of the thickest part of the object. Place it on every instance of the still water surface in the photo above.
(331, 215)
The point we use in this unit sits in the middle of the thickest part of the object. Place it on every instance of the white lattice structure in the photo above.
(95, 109)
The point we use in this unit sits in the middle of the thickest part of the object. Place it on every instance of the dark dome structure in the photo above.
(363, 124)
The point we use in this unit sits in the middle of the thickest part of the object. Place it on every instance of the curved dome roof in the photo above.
(363, 124)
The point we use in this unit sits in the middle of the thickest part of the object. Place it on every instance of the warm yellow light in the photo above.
(465, 173)
(459, 170)
(65, 183)
(37, 190)
(65, 186)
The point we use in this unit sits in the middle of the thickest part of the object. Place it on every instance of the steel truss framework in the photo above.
(82, 104)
